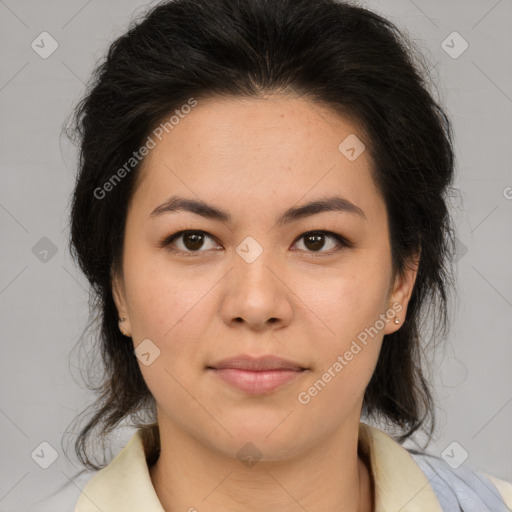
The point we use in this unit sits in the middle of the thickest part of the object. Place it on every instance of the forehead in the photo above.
(258, 149)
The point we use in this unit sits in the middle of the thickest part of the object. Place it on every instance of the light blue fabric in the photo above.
(461, 489)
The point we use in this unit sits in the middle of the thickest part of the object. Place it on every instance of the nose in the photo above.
(256, 294)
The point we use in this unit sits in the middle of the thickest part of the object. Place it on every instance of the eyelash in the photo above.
(167, 241)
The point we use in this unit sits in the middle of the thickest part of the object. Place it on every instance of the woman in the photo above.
(261, 211)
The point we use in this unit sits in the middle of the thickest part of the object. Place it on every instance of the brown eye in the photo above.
(315, 241)
(192, 241)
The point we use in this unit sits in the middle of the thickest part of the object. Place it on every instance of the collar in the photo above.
(125, 484)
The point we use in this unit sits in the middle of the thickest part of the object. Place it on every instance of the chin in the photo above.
(270, 437)
(249, 450)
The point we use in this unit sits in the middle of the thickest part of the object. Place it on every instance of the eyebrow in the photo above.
(329, 204)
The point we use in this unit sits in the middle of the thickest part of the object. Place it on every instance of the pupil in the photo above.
(317, 241)
(197, 241)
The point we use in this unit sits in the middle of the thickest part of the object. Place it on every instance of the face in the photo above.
(314, 288)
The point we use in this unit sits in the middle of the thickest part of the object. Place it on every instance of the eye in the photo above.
(192, 241)
(315, 240)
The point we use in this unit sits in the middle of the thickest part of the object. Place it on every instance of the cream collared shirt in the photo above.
(125, 484)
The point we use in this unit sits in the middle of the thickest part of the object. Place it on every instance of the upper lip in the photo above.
(245, 362)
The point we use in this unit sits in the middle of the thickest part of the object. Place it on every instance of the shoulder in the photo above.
(504, 487)
(464, 488)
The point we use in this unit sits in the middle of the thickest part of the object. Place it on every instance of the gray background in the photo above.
(44, 303)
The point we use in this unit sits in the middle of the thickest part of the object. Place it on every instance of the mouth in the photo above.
(257, 376)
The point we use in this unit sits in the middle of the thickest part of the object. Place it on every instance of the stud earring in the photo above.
(397, 320)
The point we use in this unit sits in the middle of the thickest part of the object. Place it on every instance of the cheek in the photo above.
(346, 352)
(348, 339)
(346, 304)
(170, 311)
(162, 299)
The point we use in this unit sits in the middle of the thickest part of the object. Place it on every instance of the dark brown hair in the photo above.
(331, 52)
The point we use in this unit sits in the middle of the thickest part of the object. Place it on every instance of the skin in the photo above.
(255, 158)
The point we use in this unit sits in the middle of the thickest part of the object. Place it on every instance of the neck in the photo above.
(191, 476)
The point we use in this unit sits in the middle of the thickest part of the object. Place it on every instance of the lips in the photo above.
(257, 364)
(257, 376)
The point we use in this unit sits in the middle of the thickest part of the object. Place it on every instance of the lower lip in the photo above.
(257, 382)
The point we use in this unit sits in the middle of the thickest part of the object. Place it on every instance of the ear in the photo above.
(401, 293)
(118, 293)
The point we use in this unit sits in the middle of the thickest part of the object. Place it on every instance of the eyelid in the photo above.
(342, 241)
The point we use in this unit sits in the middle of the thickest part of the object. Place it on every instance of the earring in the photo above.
(397, 320)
